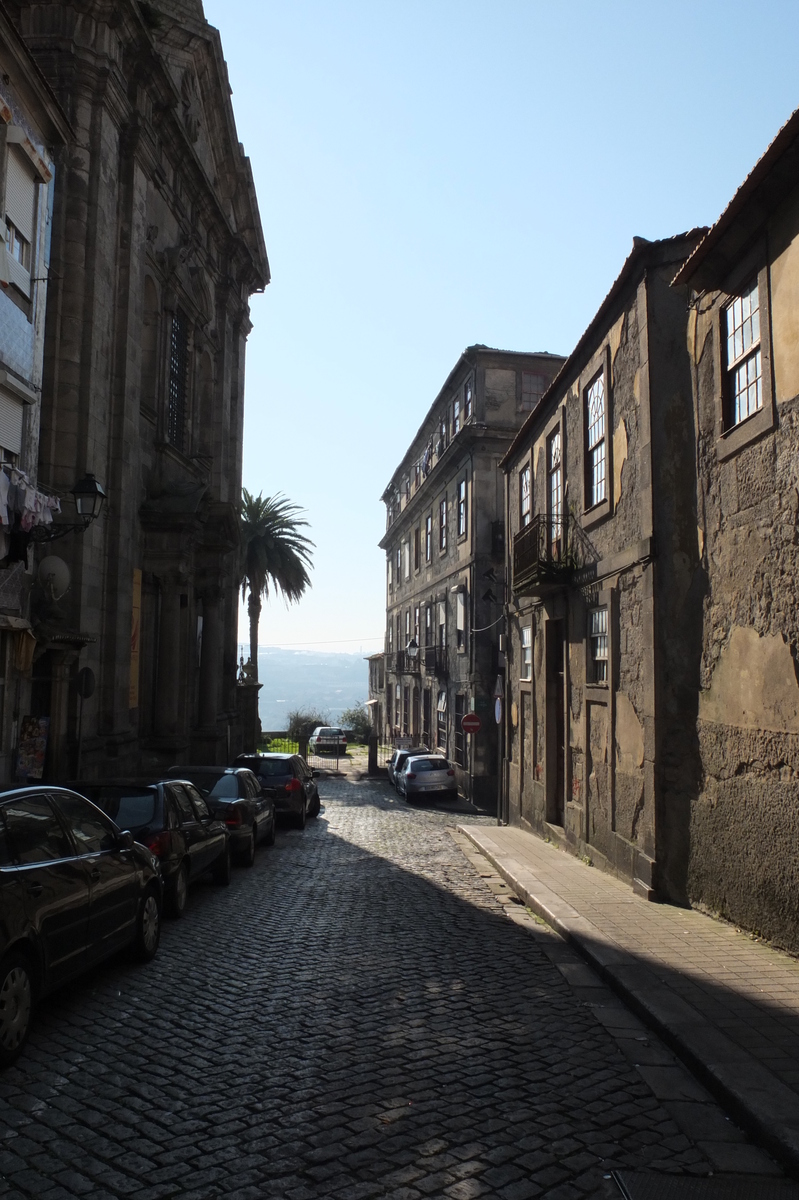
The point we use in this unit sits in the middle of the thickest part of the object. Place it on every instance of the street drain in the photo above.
(645, 1185)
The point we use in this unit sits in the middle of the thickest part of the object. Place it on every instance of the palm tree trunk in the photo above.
(254, 611)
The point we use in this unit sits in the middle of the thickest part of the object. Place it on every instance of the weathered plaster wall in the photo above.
(745, 819)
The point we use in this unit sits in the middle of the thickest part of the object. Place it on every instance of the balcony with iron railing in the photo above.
(548, 553)
(435, 661)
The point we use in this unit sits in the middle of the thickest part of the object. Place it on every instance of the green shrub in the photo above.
(303, 721)
(359, 720)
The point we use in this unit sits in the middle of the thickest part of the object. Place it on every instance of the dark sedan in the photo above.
(74, 889)
(288, 781)
(236, 797)
(173, 820)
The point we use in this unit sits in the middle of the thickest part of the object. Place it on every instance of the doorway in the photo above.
(556, 721)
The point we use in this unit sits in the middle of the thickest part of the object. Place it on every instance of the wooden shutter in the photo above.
(20, 192)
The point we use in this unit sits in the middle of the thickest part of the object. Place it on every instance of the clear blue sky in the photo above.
(433, 174)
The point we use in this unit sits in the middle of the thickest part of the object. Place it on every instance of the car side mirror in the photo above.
(126, 840)
(315, 774)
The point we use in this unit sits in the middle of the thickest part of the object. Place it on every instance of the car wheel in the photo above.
(178, 892)
(316, 804)
(148, 928)
(222, 868)
(301, 817)
(247, 857)
(270, 838)
(16, 1006)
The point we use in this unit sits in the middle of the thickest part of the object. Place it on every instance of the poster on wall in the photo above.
(33, 733)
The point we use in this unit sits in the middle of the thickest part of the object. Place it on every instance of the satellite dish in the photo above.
(53, 575)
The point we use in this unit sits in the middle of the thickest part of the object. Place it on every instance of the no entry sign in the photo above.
(471, 723)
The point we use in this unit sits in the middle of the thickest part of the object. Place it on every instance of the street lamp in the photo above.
(412, 649)
(89, 496)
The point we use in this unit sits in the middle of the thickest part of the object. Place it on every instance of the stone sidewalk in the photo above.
(727, 1004)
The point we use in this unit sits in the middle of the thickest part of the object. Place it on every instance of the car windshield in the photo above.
(131, 807)
(329, 733)
(272, 766)
(429, 764)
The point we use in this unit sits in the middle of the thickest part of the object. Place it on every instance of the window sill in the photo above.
(597, 693)
(746, 432)
(593, 516)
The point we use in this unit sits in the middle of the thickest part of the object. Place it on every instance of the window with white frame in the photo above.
(462, 508)
(467, 401)
(20, 209)
(428, 538)
(456, 415)
(598, 644)
(533, 388)
(407, 625)
(390, 638)
(441, 729)
(525, 497)
(428, 625)
(406, 554)
(460, 620)
(416, 625)
(390, 573)
(595, 441)
(416, 549)
(744, 365)
(399, 563)
(442, 525)
(527, 652)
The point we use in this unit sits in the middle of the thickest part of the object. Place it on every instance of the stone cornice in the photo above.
(446, 467)
(116, 55)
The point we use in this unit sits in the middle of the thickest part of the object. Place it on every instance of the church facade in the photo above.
(156, 248)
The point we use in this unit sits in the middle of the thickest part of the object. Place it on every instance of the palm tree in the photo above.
(274, 556)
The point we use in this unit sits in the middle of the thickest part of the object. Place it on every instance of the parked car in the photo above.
(430, 774)
(172, 819)
(325, 739)
(236, 797)
(288, 781)
(74, 889)
(397, 760)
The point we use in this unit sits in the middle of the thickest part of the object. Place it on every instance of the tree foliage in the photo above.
(275, 556)
(359, 720)
(303, 721)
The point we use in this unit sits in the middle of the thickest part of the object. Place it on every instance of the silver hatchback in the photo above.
(426, 775)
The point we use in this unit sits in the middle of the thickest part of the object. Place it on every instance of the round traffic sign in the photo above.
(471, 723)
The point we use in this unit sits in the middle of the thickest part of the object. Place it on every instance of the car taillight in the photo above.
(450, 772)
(410, 774)
(293, 785)
(234, 819)
(160, 843)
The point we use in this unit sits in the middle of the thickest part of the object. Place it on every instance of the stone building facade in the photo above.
(156, 248)
(33, 130)
(734, 769)
(445, 562)
(599, 504)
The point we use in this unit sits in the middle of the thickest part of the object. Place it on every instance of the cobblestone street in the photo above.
(355, 1016)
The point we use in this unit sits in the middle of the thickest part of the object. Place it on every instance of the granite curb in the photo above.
(753, 1095)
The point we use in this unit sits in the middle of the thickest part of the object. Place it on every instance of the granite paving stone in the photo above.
(363, 1013)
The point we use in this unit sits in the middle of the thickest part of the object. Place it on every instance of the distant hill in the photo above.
(301, 678)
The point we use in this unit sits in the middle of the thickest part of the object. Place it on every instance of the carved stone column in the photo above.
(168, 690)
(211, 659)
